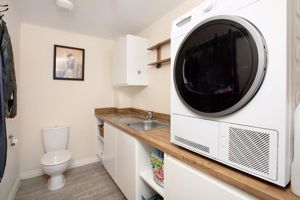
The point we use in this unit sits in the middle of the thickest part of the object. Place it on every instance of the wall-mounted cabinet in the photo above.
(129, 62)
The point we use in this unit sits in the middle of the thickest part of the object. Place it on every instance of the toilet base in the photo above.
(56, 182)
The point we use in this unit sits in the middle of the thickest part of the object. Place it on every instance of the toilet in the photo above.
(57, 158)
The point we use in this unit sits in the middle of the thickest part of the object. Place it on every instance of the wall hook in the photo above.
(12, 140)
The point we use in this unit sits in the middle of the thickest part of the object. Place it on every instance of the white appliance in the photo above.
(57, 158)
(234, 89)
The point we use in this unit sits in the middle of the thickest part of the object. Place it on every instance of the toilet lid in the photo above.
(56, 157)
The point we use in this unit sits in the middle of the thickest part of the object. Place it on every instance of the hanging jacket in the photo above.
(3, 139)
(8, 91)
(9, 77)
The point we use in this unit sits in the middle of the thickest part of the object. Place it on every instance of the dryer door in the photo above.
(220, 65)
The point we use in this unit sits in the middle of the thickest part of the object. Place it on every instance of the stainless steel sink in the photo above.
(147, 125)
(140, 123)
(125, 119)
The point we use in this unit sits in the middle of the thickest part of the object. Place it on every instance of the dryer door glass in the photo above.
(220, 66)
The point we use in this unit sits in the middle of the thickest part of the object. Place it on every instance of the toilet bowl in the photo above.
(56, 158)
(54, 164)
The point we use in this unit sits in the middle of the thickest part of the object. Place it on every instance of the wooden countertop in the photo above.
(160, 139)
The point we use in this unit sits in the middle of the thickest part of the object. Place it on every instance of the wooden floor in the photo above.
(90, 182)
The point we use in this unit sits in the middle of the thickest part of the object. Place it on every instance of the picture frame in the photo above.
(68, 63)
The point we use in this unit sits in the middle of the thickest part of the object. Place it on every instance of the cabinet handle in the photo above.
(139, 71)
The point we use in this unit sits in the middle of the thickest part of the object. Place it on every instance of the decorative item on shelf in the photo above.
(101, 130)
(157, 47)
(68, 63)
(157, 162)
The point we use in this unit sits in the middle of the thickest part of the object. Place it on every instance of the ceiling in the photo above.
(102, 18)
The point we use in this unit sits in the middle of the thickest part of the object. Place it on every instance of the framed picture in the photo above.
(68, 63)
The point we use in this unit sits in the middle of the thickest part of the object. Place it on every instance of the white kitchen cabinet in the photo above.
(127, 161)
(129, 62)
(184, 182)
(126, 172)
(120, 160)
(110, 150)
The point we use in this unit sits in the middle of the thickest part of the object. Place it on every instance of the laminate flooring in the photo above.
(90, 182)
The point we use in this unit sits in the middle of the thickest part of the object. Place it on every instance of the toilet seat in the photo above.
(56, 157)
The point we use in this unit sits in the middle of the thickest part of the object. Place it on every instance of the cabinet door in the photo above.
(126, 164)
(109, 157)
(129, 61)
(119, 60)
(185, 182)
(137, 60)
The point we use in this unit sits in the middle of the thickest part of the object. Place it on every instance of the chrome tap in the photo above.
(149, 115)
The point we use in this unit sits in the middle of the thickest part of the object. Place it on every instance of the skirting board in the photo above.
(14, 189)
(73, 164)
(82, 162)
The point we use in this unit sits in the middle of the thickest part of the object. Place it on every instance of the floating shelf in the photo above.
(147, 176)
(160, 61)
(157, 47)
(163, 43)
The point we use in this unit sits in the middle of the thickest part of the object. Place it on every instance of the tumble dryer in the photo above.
(234, 86)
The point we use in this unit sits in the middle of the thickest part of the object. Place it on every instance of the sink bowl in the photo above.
(125, 119)
(140, 123)
(146, 125)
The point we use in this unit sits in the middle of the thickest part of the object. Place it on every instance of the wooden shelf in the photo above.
(163, 43)
(160, 61)
(147, 176)
(157, 47)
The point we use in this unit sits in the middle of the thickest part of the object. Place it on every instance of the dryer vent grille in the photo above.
(192, 144)
(250, 149)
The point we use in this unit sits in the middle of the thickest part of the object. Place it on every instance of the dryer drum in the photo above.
(220, 65)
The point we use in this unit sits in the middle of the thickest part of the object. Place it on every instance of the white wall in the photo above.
(12, 166)
(156, 96)
(47, 102)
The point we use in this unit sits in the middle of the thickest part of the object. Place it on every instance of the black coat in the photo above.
(8, 91)
(3, 139)
(9, 78)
